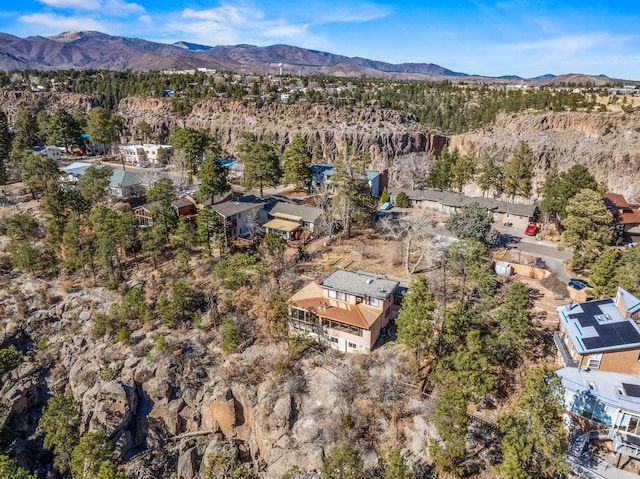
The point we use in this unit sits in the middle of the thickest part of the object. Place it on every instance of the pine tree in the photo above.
(261, 166)
(518, 171)
(534, 443)
(61, 424)
(416, 322)
(296, 163)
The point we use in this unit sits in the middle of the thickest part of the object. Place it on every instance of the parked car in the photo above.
(578, 284)
(386, 206)
(531, 230)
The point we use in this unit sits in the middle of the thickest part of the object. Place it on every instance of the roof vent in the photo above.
(369, 281)
(380, 290)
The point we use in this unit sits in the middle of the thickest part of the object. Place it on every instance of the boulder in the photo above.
(188, 464)
(108, 407)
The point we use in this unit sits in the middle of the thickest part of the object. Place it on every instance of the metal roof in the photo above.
(304, 212)
(360, 283)
(240, 205)
(281, 225)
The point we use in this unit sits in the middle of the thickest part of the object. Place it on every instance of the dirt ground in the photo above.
(369, 251)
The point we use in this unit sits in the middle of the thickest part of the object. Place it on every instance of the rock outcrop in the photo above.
(607, 143)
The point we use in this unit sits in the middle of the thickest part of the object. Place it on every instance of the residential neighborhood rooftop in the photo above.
(239, 205)
(360, 283)
(599, 326)
(312, 296)
(621, 390)
(124, 178)
(299, 212)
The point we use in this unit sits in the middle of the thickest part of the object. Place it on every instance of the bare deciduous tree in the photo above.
(416, 231)
(410, 171)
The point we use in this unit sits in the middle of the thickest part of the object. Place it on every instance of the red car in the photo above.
(532, 229)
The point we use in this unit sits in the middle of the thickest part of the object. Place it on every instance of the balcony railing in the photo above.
(625, 443)
(569, 362)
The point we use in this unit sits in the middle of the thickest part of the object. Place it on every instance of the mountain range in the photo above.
(95, 50)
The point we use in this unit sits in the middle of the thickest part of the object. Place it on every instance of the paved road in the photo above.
(546, 250)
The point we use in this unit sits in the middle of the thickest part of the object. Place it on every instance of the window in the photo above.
(333, 340)
(333, 294)
(594, 361)
(351, 345)
(343, 296)
(371, 302)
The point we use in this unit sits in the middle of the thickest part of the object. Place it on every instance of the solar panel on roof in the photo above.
(631, 389)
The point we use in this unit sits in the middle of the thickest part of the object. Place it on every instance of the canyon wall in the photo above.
(607, 143)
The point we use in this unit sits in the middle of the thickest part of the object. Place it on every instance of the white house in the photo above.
(53, 152)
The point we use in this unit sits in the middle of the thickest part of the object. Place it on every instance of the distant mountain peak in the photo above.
(96, 50)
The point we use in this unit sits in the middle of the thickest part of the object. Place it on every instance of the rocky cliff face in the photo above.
(607, 143)
(168, 411)
(604, 141)
(383, 134)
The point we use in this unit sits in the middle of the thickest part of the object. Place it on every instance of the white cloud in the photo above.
(230, 24)
(77, 4)
(107, 7)
(348, 12)
(57, 23)
(121, 8)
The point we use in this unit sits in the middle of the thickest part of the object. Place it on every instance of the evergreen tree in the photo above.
(472, 222)
(628, 272)
(108, 470)
(534, 443)
(385, 197)
(195, 143)
(61, 424)
(182, 241)
(213, 176)
(451, 422)
(63, 130)
(559, 188)
(296, 163)
(402, 200)
(261, 166)
(588, 227)
(462, 171)
(10, 470)
(491, 176)
(10, 358)
(23, 231)
(440, 176)
(209, 227)
(343, 462)
(93, 184)
(514, 316)
(100, 127)
(518, 171)
(416, 321)
(396, 466)
(38, 173)
(89, 455)
(605, 271)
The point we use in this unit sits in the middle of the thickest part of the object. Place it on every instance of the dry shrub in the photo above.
(66, 286)
(6, 264)
(21, 305)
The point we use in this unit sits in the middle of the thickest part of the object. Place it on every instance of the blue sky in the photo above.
(521, 37)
